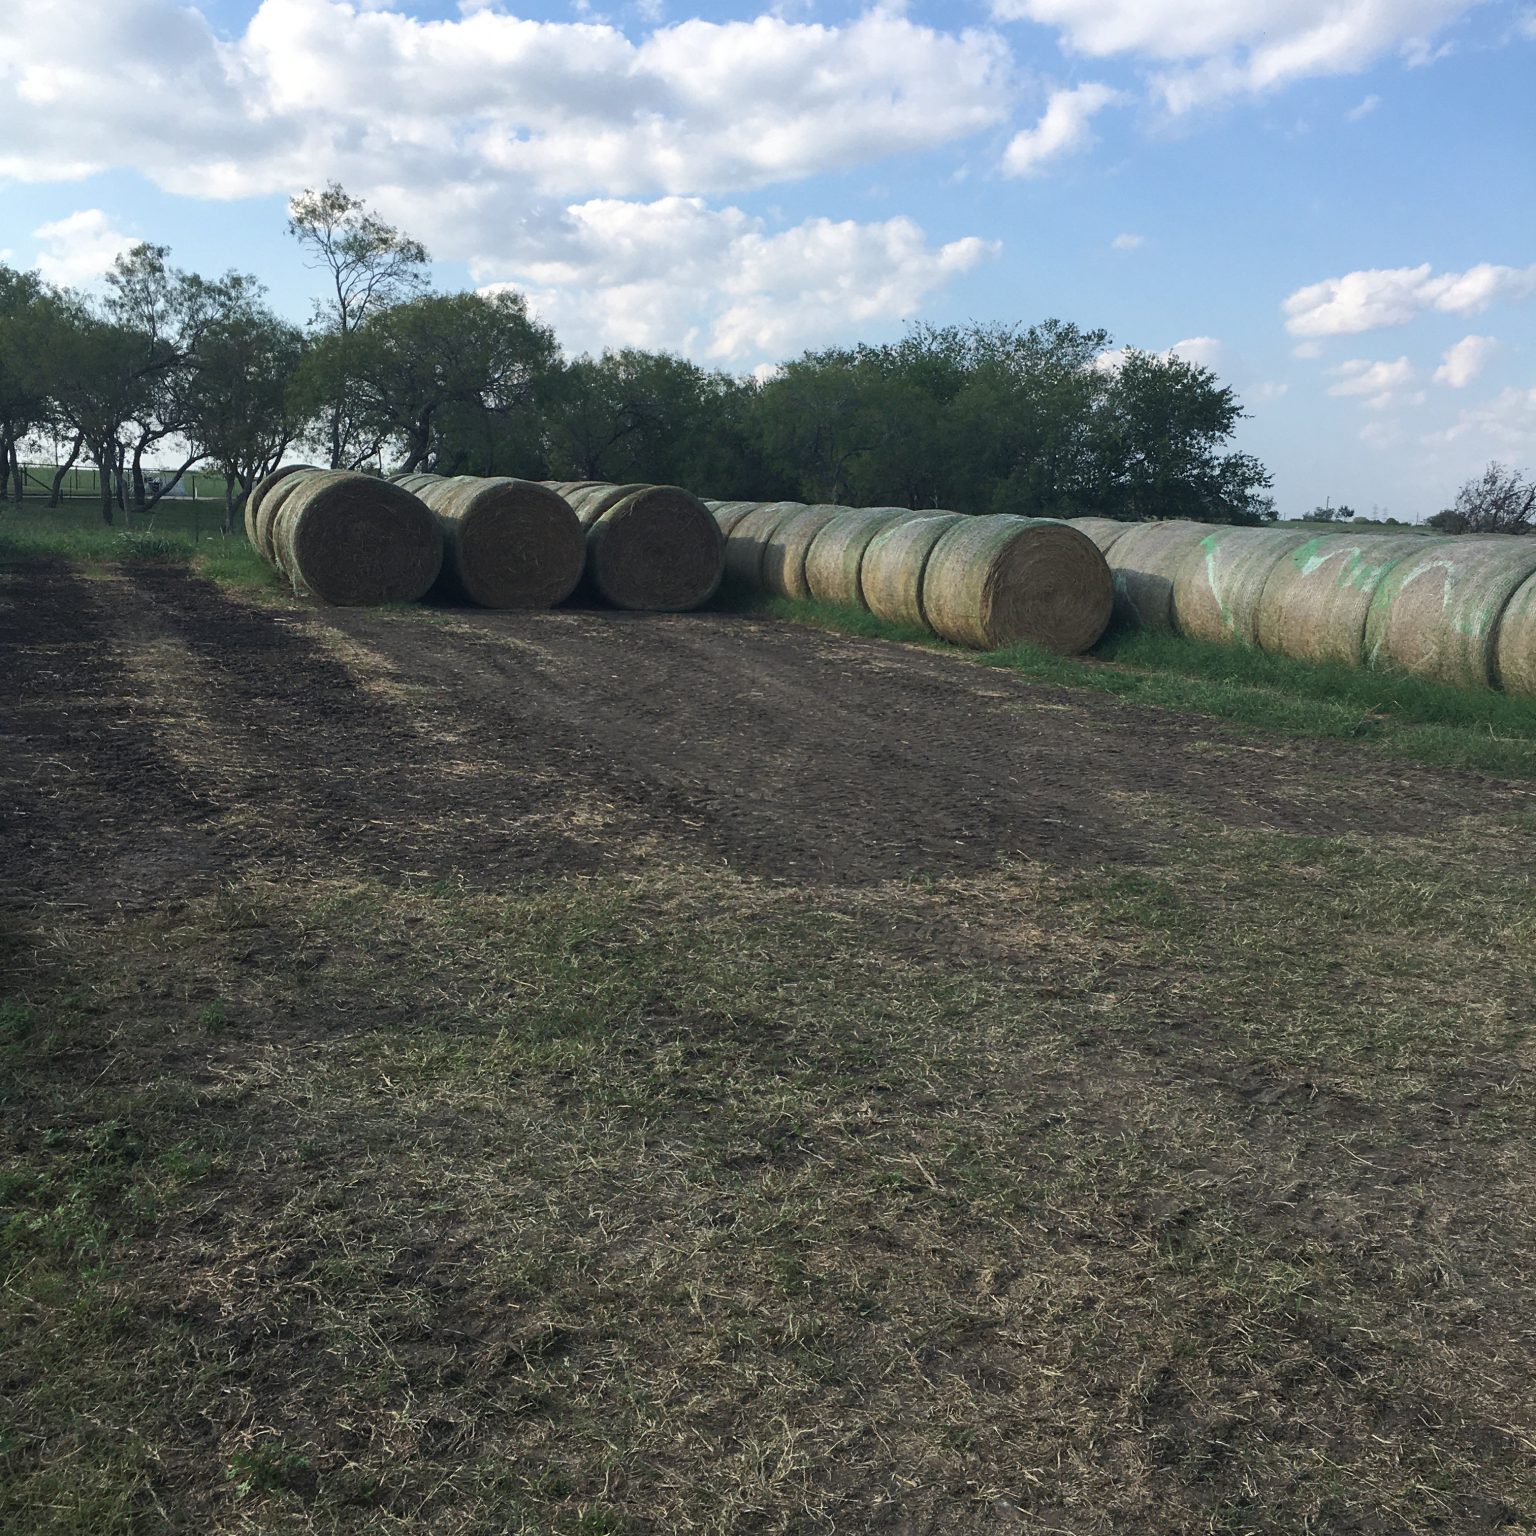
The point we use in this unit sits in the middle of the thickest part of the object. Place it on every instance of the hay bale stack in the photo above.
(656, 548)
(349, 539)
(417, 481)
(589, 502)
(1315, 601)
(995, 581)
(1143, 562)
(729, 513)
(507, 543)
(1218, 584)
(891, 574)
(784, 553)
(748, 537)
(254, 496)
(1102, 530)
(271, 504)
(1514, 647)
(1437, 614)
(836, 552)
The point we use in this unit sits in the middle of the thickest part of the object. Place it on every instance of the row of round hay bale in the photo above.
(837, 551)
(1438, 613)
(748, 537)
(349, 538)
(507, 543)
(1219, 584)
(786, 549)
(895, 560)
(1317, 596)
(1102, 530)
(728, 513)
(649, 547)
(999, 580)
(1514, 646)
(1143, 561)
(257, 492)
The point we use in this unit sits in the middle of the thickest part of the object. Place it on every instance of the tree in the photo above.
(404, 368)
(1330, 514)
(23, 391)
(371, 266)
(1500, 500)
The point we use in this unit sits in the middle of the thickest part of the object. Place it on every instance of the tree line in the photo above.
(979, 417)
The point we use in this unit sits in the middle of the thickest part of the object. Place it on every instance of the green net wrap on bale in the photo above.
(1436, 614)
(1102, 530)
(1315, 601)
(836, 552)
(507, 543)
(749, 536)
(1143, 563)
(1514, 651)
(254, 496)
(656, 549)
(1217, 587)
(349, 539)
(891, 574)
(995, 581)
(786, 549)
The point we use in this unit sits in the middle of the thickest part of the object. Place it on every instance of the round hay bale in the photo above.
(418, 481)
(1315, 601)
(1436, 614)
(1217, 586)
(995, 581)
(655, 549)
(506, 543)
(349, 539)
(1102, 530)
(271, 504)
(748, 536)
(1514, 647)
(891, 574)
(261, 487)
(1143, 563)
(836, 552)
(786, 548)
(730, 513)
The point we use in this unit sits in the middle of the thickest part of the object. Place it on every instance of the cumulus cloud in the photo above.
(1364, 109)
(1370, 299)
(1464, 360)
(1377, 384)
(1064, 128)
(1212, 48)
(718, 284)
(382, 99)
(1504, 426)
(80, 248)
(1128, 242)
(1206, 351)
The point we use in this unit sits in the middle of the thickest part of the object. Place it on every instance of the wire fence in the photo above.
(82, 483)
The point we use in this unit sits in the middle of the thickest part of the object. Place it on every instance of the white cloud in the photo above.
(80, 248)
(716, 283)
(1464, 360)
(1268, 389)
(1367, 300)
(1215, 48)
(1307, 349)
(1203, 350)
(485, 101)
(1128, 242)
(1504, 426)
(1364, 109)
(1064, 127)
(1377, 383)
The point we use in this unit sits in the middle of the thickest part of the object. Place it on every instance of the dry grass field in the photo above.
(582, 1072)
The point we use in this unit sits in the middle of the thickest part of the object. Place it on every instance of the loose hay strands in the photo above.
(656, 549)
(1514, 651)
(254, 495)
(1144, 562)
(1217, 586)
(836, 552)
(786, 548)
(996, 581)
(507, 543)
(1102, 530)
(1436, 614)
(349, 539)
(749, 536)
(1315, 600)
(891, 574)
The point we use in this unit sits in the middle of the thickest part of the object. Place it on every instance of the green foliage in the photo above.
(1500, 500)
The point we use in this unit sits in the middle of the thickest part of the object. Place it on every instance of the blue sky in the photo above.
(1330, 202)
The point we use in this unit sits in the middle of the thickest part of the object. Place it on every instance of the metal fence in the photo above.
(82, 483)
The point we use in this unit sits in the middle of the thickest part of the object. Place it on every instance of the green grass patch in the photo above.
(1405, 718)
